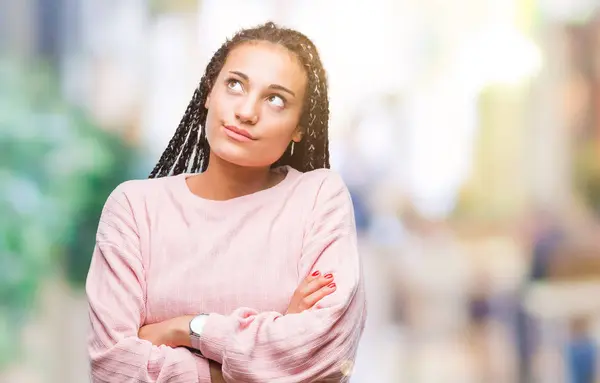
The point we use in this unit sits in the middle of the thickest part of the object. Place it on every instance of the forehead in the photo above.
(267, 63)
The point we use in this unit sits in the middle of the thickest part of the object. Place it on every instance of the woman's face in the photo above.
(255, 104)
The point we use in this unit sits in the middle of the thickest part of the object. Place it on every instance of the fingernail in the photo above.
(331, 285)
(329, 276)
(316, 273)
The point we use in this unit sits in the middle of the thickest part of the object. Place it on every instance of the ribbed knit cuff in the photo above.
(214, 335)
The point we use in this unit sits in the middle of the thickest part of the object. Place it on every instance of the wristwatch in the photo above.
(196, 327)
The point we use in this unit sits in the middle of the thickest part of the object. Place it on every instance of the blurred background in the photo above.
(468, 132)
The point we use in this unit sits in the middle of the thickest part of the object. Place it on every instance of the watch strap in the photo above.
(195, 342)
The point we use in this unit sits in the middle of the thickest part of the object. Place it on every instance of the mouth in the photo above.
(238, 134)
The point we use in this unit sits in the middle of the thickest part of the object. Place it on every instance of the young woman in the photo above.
(237, 259)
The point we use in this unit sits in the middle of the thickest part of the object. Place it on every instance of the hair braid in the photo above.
(168, 157)
(189, 143)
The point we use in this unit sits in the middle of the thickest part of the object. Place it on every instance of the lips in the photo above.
(238, 134)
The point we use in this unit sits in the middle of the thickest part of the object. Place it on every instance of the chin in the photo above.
(239, 157)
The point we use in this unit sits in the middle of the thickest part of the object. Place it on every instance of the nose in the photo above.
(247, 111)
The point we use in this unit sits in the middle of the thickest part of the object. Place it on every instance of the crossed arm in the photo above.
(299, 345)
(175, 332)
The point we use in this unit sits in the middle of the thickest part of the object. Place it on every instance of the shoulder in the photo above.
(137, 192)
(135, 189)
(325, 185)
(327, 202)
(324, 179)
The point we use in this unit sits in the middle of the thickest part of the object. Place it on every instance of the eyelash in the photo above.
(231, 81)
(283, 99)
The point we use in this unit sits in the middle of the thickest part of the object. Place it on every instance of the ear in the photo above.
(207, 102)
(298, 134)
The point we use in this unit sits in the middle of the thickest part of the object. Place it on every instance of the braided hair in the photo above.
(189, 150)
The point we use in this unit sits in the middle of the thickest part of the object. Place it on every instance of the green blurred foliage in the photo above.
(56, 171)
(158, 7)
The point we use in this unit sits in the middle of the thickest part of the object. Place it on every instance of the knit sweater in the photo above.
(162, 252)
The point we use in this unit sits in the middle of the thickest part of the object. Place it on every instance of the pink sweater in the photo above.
(163, 252)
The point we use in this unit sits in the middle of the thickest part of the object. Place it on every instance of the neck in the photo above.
(223, 180)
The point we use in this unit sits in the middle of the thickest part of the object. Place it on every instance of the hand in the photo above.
(311, 290)
(173, 332)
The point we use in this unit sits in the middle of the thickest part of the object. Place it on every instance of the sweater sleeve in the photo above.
(318, 344)
(116, 295)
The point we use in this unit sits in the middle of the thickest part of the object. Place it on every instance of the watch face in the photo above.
(197, 324)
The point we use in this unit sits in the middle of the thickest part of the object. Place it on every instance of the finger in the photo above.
(303, 287)
(317, 283)
(312, 276)
(310, 300)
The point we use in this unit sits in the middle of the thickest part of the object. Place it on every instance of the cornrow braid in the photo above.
(189, 151)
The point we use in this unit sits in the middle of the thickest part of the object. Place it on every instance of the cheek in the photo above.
(214, 120)
(213, 112)
(211, 132)
(278, 128)
(281, 140)
(278, 139)
(274, 148)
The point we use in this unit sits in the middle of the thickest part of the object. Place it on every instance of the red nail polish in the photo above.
(331, 285)
(316, 273)
(329, 276)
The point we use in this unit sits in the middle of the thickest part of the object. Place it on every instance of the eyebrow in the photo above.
(272, 86)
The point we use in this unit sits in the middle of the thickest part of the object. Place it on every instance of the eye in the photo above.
(234, 85)
(277, 100)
